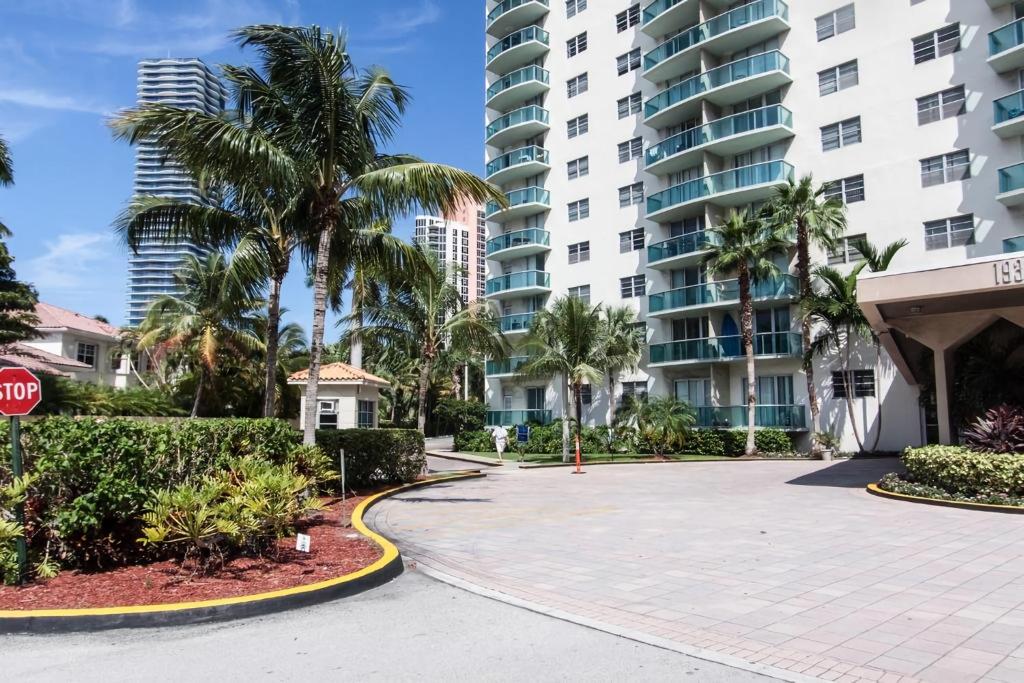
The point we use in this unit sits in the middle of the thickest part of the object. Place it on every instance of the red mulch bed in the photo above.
(335, 550)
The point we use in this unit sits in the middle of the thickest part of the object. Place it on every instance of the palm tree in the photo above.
(623, 348)
(566, 341)
(212, 316)
(425, 312)
(877, 259)
(663, 421)
(6, 168)
(817, 221)
(746, 245)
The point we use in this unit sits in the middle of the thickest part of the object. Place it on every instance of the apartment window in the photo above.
(627, 18)
(579, 252)
(577, 86)
(633, 286)
(576, 44)
(631, 149)
(834, 23)
(579, 168)
(630, 105)
(327, 415)
(115, 361)
(631, 194)
(364, 415)
(846, 251)
(578, 125)
(936, 44)
(582, 292)
(628, 62)
(840, 134)
(838, 78)
(846, 190)
(579, 209)
(86, 353)
(633, 391)
(631, 240)
(946, 168)
(862, 381)
(574, 7)
(586, 394)
(949, 232)
(941, 105)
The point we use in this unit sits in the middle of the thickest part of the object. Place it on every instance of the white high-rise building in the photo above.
(620, 131)
(181, 82)
(459, 239)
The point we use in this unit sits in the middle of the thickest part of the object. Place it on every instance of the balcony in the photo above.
(1006, 47)
(511, 14)
(723, 85)
(517, 49)
(524, 162)
(505, 368)
(737, 187)
(518, 86)
(521, 124)
(1008, 115)
(787, 417)
(528, 201)
(518, 323)
(662, 17)
(722, 35)
(522, 284)
(770, 345)
(518, 417)
(513, 245)
(995, 4)
(724, 294)
(1011, 185)
(725, 137)
(676, 251)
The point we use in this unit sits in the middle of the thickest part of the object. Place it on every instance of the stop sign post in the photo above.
(20, 393)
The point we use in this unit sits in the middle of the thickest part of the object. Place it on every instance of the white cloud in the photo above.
(39, 99)
(406, 21)
(77, 262)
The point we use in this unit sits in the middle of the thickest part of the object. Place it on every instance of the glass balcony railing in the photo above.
(726, 291)
(519, 238)
(779, 416)
(1006, 37)
(754, 11)
(728, 126)
(516, 323)
(527, 195)
(514, 118)
(518, 417)
(505, 367)
(1011, 178)
(520, 280)
(726, 348)
(516, 39)
(1009, 107)
(508, 6)
(1012, 245)
(518, 77)
(680, 246)
(709, 185)
(523, 155)
(717, 77)
(657, 8)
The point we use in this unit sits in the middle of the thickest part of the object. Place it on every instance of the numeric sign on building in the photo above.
(20, 391)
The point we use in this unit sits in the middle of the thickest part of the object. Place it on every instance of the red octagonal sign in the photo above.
(20, 391)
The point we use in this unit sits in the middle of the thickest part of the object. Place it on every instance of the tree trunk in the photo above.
(199, 391)
(611, 400)
(316, 344)
(273, 323)
(848, 382)
(565, 419)
(878, 395)
(421, 410)
(803, 269)
(577, 391)
(355, 352)
(747, 325)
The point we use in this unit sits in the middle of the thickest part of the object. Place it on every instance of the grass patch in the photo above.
(601, 457)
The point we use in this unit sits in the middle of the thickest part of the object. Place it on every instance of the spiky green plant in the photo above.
(662, 422)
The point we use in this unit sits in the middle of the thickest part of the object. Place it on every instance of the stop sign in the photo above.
(20, 391)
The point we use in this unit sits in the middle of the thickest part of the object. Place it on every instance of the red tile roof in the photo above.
(339, 372)
(37, 360)
(56, 318)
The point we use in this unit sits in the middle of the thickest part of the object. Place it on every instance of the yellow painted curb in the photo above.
(879, 491)
(389, 555)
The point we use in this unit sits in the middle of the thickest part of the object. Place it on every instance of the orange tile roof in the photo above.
(22, 355)
(339, 372)
(54, 317)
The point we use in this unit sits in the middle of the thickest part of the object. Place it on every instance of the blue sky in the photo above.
(66, 65)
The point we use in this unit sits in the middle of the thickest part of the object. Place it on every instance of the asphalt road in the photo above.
(414, 628)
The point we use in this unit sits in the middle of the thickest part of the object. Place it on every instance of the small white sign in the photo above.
(302, 543)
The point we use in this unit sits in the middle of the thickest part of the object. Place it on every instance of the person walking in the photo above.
(500, 435)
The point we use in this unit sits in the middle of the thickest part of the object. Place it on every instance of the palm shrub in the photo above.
(662, 422)
(1000, 430)
(11, 495)
(623, 348)
(269, 500)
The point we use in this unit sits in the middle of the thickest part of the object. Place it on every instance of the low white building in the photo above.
(347, 397)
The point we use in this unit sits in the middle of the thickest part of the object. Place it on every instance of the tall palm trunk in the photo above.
(565, 418)
(611, 399)
(355, 356)
(273, 322)
(577, 391)
(848, 382)
(878, 368)
(747, 324)
(421, 403)
(803, 269)
(316, 345)
(199, 390)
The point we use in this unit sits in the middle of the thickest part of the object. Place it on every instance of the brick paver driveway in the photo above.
(785, 564)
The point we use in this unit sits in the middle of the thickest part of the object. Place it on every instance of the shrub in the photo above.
(892, 482)
(773, 441)
(963, 472)
(1001, 430)
(375, 457)
(706, 442)
(457, 416)
(479, 441)
(734, 441)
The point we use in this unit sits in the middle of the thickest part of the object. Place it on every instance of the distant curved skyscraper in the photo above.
(182, 82)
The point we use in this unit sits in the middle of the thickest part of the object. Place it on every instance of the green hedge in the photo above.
(374, 457)
(963, 472)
